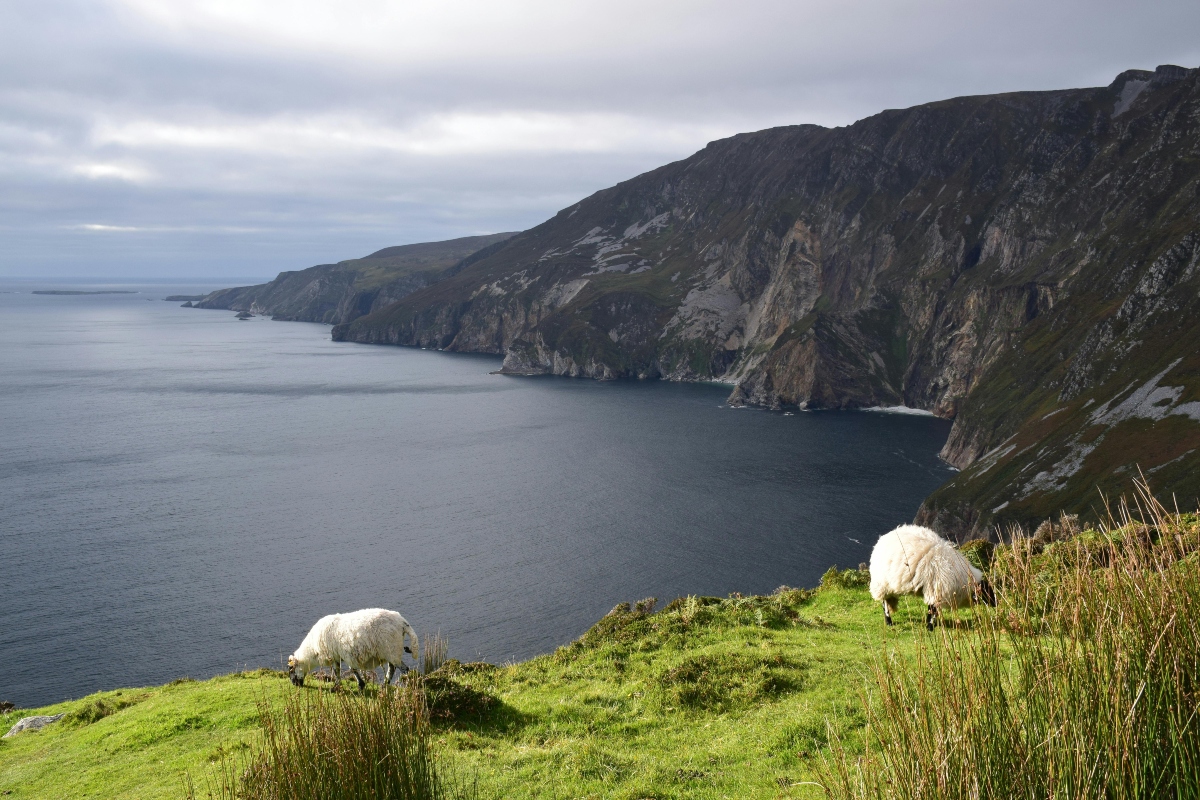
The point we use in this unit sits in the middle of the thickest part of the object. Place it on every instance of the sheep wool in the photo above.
(364, 639)
(913, 559)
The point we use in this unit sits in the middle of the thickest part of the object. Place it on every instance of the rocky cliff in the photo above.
(341, 292)
(1025, 264)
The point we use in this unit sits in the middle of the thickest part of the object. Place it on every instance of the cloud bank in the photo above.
(213, 138)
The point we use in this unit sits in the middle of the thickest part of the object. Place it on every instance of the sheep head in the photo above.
(984, 593)
(295, 671)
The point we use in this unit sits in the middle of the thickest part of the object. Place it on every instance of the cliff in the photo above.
(1025, 264)
(341, 292)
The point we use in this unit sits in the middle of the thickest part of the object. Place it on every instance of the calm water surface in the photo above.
(182, 493)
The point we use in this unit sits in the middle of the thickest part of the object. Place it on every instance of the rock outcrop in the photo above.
(31, 724)
(334, 293)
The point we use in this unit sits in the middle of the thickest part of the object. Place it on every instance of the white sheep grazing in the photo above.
(914, 560)
(363, 639)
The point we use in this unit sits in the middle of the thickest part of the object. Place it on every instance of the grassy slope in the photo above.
(391, 263)
(607, 717)
(141, 750)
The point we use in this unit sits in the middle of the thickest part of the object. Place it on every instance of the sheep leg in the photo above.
(889, 605)
(931, 616)
(337, 675)
(362, 684)
(391, 670)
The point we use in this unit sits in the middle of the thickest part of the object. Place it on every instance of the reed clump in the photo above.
(1082, 683)
(322, 744)
(435, 652)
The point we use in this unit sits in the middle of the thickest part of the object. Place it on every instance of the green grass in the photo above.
(141, 749)
(726, 699)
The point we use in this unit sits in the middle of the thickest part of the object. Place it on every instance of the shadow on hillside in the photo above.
(455, 695)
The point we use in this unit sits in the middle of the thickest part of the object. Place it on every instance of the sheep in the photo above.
(363, 639)
(915, 560)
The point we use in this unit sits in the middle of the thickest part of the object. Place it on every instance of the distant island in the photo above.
(184, 297)
(74, 291)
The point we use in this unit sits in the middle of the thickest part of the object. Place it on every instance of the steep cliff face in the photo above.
(334, 293)
(1025, 264)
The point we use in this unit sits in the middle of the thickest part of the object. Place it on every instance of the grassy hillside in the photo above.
(1090, 662)
(391, 263)
(725, 699)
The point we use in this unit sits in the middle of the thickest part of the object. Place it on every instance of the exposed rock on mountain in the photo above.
(1026, 264)
(344, 291)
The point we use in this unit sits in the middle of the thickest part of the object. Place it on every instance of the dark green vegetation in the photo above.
(1082, 682)
(1027, 264)
(344, 291)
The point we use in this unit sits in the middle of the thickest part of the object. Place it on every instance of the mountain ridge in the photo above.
(994, 259)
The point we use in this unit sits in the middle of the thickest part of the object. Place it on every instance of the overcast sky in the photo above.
(236, 138)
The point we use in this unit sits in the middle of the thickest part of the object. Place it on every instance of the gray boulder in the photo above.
(31, 724)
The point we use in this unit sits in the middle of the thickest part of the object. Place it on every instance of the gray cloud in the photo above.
(221, 137)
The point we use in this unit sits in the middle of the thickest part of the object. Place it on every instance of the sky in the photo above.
(220, 139)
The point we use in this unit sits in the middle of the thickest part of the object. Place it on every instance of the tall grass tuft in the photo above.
(324, 744)
(1082, 683)
(434, 653)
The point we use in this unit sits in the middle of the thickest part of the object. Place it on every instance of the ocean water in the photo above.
(183, 493)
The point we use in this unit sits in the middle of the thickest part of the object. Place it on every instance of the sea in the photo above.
(183, 493)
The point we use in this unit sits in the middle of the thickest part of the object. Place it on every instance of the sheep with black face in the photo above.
(363, 639)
